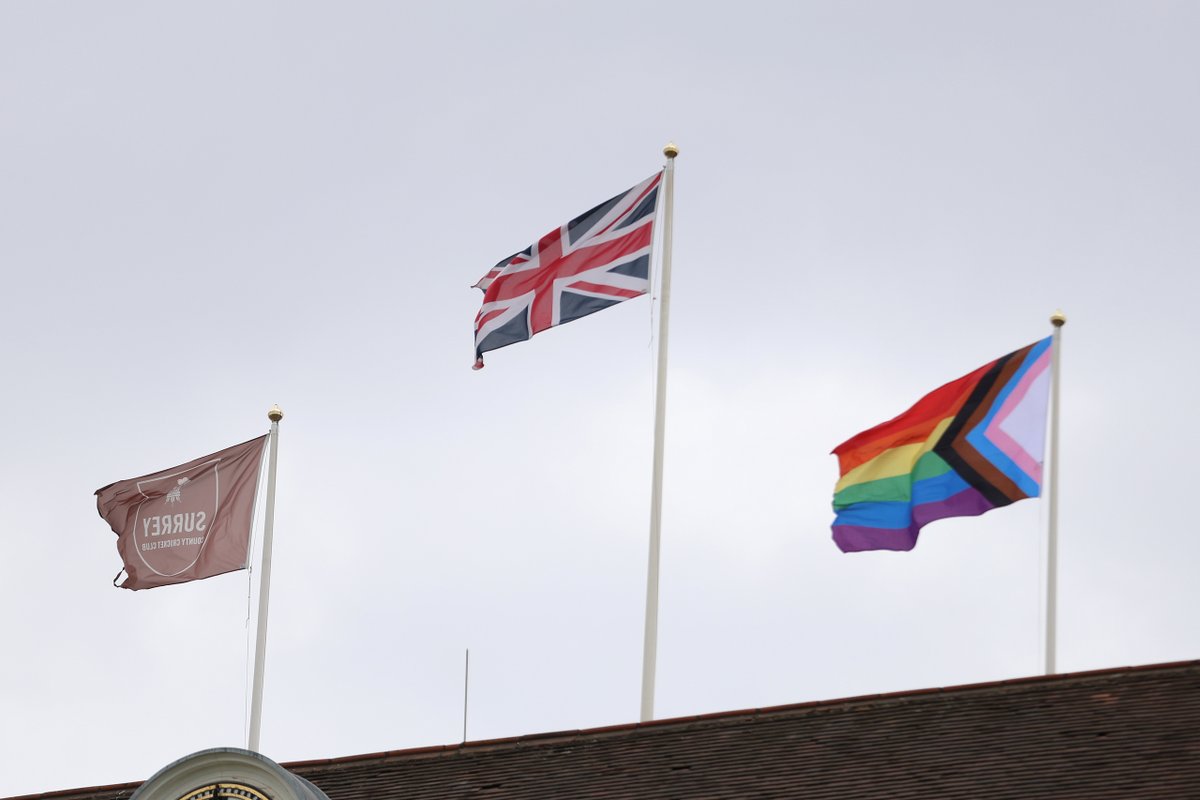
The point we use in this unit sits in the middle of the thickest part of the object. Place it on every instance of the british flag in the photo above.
(596, 260)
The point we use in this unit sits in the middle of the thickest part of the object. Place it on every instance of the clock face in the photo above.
(224, 791)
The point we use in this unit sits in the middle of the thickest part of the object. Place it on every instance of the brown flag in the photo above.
(188, 522)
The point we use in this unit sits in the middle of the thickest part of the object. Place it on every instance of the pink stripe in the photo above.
(1005, 443)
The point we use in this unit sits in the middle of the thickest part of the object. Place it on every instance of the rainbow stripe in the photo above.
(970, 446)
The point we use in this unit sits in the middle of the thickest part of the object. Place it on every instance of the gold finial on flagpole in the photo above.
(671, 150)
(1058, 318)
(275, 413)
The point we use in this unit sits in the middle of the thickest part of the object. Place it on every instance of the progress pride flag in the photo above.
(187, 522)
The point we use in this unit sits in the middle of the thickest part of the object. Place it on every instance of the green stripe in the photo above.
(897, 488)
(929, 465)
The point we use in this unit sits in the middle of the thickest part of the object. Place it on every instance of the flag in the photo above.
(975, 444)
(598, 259)
(187, 522)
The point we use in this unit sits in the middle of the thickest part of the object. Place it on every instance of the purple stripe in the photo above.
(856, 538)
(967, 503)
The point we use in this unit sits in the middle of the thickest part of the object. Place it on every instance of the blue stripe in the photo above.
(893, 515)
(939, 488)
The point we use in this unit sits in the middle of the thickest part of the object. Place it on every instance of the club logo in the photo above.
(176, 494)
(173, 522)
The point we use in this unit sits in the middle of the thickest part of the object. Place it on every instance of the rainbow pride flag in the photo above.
(968, 447)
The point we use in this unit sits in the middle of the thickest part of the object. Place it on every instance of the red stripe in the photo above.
(599, 288)
(914, 425)
(485, 318)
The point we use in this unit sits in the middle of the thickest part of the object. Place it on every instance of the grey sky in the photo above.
(206, 208)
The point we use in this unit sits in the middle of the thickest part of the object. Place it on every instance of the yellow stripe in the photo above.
(893, 461)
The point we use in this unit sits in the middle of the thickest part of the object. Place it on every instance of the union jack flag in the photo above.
(598, 259)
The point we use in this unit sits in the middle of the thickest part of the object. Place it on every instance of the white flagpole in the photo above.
(264, 587)
(1057, 319)
(650, 644)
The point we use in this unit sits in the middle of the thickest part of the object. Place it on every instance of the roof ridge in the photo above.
(749, 713)
(89, 793)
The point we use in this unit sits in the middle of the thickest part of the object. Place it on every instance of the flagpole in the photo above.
(1057, 319)
(650, 643)
(264, 588)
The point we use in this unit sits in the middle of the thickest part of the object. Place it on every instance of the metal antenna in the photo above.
(466, 688)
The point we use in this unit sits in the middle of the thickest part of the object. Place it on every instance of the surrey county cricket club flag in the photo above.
(187, 522)
(598, 259)
(970, 446)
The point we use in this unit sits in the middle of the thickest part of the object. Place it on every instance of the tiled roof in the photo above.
(1118, 733)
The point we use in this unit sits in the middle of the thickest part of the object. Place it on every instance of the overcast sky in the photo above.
(207, 208)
